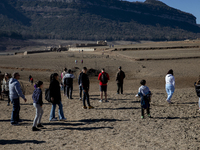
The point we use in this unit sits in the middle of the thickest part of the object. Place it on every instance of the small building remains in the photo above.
(99, 43)
(81, 49)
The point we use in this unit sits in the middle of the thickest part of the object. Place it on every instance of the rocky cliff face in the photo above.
(95, 20)
(149, 7)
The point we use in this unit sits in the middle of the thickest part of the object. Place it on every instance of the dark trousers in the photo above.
(69, 90)
(80, 91)
(7, 94)
(15, 111)
(142, 111)
(120, 86)
(86, 96)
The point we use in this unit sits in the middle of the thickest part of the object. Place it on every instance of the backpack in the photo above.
(47, 95)
(104, 78)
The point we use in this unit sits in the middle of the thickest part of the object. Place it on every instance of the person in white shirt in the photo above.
(62, 76)
(170, 85)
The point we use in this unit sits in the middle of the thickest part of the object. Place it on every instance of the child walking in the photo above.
(37, 103)
(145, 95)
(197, 88)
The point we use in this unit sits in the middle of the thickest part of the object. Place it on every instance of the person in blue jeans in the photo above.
(85, 87)
(55, 98)
(170, 85)
(145, 95)
(15, 93)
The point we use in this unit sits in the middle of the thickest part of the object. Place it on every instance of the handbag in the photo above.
(47, 95)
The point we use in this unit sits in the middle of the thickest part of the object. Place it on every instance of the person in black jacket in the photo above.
(120, 79)
(85, 87)
(68, 83)
(80, 84)
(55, 98)
(37, 103)
(197, 88)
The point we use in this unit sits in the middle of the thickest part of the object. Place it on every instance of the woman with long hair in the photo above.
(55, 98)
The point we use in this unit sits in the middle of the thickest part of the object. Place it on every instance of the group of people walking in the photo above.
(12, 87)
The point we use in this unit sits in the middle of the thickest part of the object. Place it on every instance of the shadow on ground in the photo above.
(4, 142)
(80, 129)
(120, 108)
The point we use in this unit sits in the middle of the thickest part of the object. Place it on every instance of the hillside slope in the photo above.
(95, 20)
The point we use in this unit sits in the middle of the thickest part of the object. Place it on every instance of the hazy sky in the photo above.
(190, 6)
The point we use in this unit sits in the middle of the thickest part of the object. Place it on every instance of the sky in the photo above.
(190, 6)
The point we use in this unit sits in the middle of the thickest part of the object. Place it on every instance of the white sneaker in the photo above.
(80, 98)
(63, 119)
(101, 101)
(54, 119)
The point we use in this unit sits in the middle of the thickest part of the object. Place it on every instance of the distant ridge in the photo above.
(95, 20)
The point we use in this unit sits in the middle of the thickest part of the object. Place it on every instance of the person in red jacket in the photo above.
(103, 78)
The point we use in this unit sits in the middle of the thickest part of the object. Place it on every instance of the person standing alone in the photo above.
(170, 85)
(85, 87)
(120, 79)
(103, 78)
(15, 92)
(145, 95)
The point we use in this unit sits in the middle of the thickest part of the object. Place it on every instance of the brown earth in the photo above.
(117, 124)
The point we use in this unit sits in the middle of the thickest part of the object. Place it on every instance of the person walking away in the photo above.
(85, 88)
(62, 75)
(37, 103)
(68, 83)
(170, 85)
(80, 84)
(145, 95)
(15, 92)
(120, 79)
(197, 88)
(103, 78)
(5, 87)
(55, 98)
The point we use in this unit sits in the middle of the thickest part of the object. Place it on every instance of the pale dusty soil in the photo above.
(162, 53)
(114, 125)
